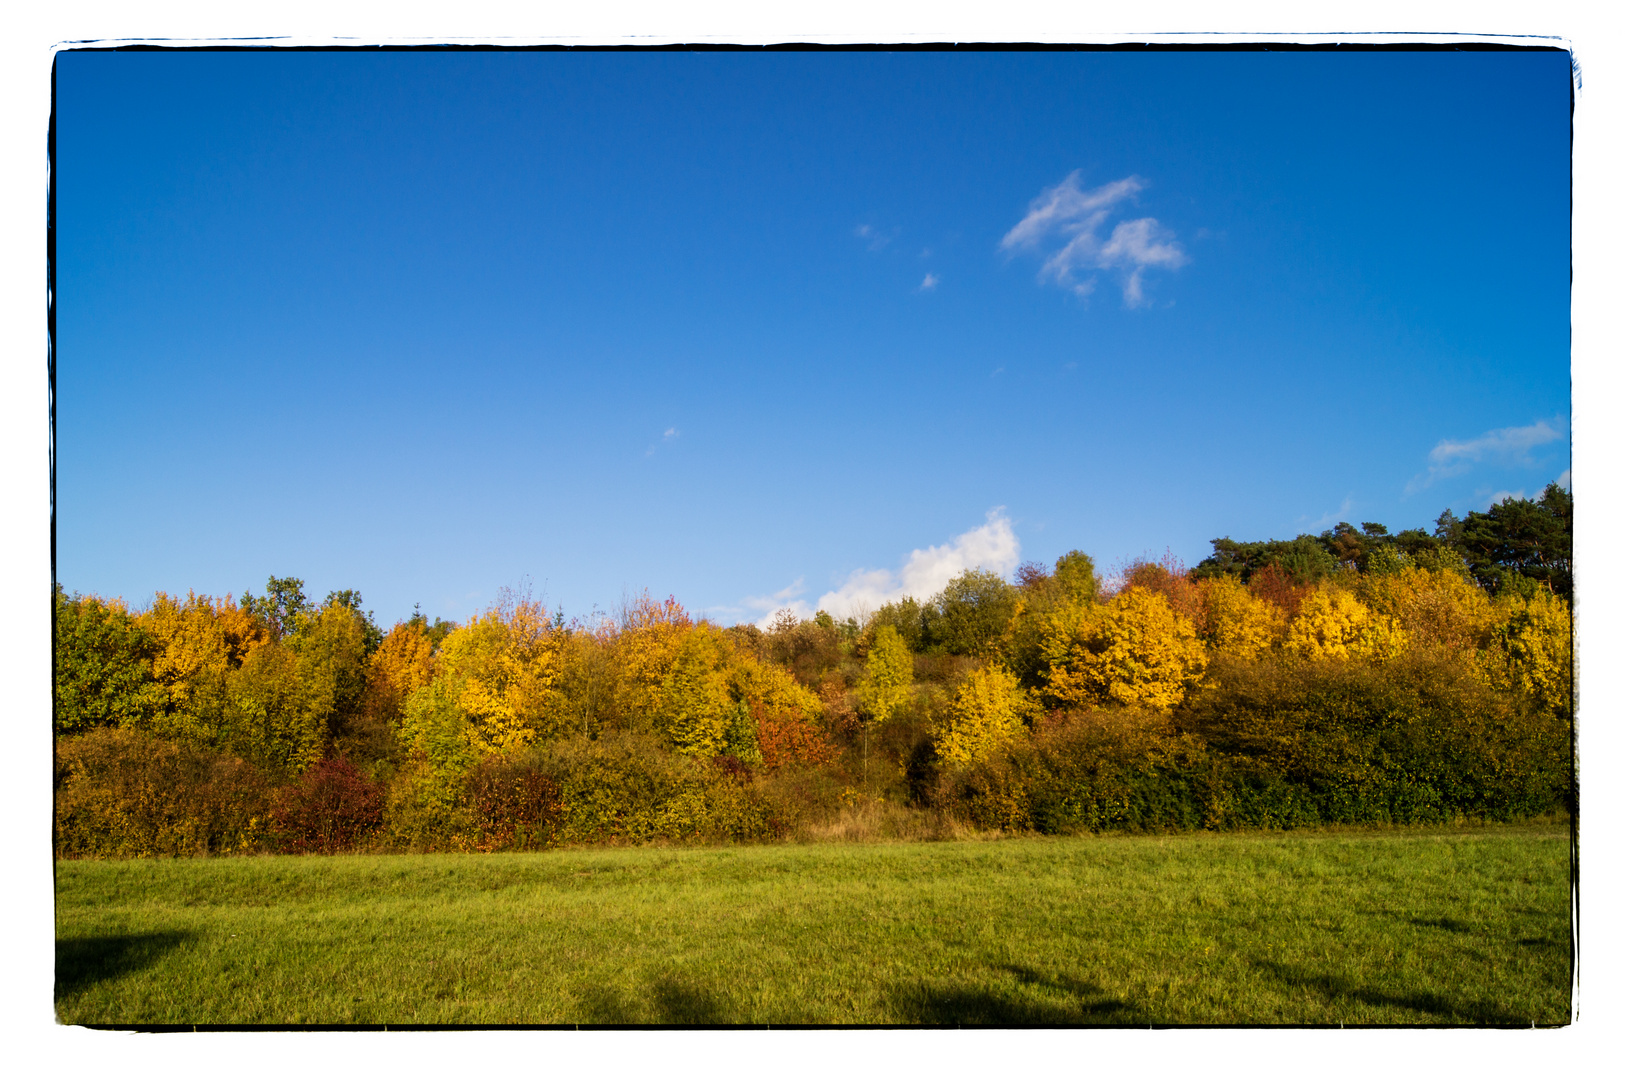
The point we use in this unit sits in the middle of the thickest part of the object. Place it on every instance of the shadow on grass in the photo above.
(669, 1003)
(83, 962)
(1082, 1004)
(1438, 1008)
(1453, 925)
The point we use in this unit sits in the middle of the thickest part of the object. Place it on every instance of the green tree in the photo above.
(1075, 574)
(371, 635)
(102, 666)
(971, 612)
(281, 607)
(1531, 539)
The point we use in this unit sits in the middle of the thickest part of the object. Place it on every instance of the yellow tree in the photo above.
(1531, 649)
(645, 650)
(1238, 621)
(696, 707)
(1329, 623)
(1436, 608)
(1135, 651)
(403, 663)
(888, 675)
(499, 668)
(988, 710)
(199, 640)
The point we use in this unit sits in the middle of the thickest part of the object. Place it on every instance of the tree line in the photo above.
(1356, 675)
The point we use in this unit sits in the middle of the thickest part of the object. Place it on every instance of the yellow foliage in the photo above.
(1531, 649)
(888, 675)
(1435, 608)
(695, 701)
(1134, 651)
(1331, 625)
(772, 689)
(1238, 621)
(502, 665)
(404, 661)
(988, 710)
(645, 650)
(199, 638)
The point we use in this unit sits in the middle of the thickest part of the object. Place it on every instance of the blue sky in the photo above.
(764, 329)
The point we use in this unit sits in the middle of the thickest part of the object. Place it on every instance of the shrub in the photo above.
(1089, 771)
(513, 806)
(1420, 739)
(788, 738)
(122, 793)
(330, 808)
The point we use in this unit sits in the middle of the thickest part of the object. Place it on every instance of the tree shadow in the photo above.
(1462, 1011)
(83, 962)
(1454, 925)
(670, 1003)
(982, 1006)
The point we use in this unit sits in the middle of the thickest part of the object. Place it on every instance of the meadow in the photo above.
(1404, 926)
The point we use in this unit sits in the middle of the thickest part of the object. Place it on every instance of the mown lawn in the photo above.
(1441, 927)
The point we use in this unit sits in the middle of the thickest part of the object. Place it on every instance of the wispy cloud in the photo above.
(990, 546)
(1326, 521)
(1452, 457)
(876, 239)
(1074, 217)
(1565, 479)
(929, 283)
(671, 434)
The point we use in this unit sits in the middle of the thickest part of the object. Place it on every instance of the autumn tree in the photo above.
(988, 710)
(887, 677)
(1134, 651)
(1236, 620)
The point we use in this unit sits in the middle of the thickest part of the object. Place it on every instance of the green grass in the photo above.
(1436, 927)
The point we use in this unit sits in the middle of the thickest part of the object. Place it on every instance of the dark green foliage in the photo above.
(1527, 538)
(1416, 740)
(1304, 559)
(1116, 769)
(102, 667)
(436, 631)
(969, 615)
(123, 793)
(281, 607)
(905, 616)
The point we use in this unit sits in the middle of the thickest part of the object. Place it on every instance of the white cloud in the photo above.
(1326, 521)
(929, 283)
(1511, 445)
(1068, 212)
(990, 546)
(1502, 496)
(1565, 479)
(876, 239)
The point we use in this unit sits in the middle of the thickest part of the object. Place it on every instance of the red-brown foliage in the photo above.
(1279, 588)
(788, 738)
(327, 809)
(514, 807)
(1170, 578)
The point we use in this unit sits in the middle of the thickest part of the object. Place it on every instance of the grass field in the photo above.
(1440, 927)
